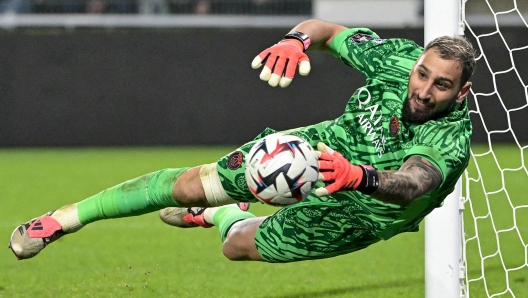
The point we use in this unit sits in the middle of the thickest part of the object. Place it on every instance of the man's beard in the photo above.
(419, 116)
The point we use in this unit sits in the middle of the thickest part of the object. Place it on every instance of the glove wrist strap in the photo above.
(370, 181)
(300, 37)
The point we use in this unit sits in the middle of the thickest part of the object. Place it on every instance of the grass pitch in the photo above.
(142, 257)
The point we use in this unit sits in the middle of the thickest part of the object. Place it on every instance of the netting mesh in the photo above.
(495, 238)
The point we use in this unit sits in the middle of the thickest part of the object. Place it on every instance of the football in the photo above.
(281, 169)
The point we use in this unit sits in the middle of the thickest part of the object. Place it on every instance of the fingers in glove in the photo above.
(332, 187)
(291, 66)
(325, 165)
(265, 74)
(325, 149)
(278, 71)
(274, 80)
(326, 156)
(304, 67)
(329, 189)
(260, 58)
(326, 176)
(320, 192)
(289, 72)
(257, 62)
(290, 69)
(285, 82)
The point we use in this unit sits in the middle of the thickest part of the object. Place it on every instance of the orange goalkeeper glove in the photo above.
(340, 175)
(281, 62)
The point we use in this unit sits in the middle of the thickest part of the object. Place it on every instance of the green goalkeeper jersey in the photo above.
(374, 133)
(370, 131)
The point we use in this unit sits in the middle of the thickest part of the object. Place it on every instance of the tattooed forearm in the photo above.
(415, 178)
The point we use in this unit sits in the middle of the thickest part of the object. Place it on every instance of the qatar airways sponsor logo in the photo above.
(370, 121)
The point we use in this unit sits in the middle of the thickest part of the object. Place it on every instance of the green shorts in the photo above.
(312, 229)
(318, 227)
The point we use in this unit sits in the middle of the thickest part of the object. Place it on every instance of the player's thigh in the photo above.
(308, 231)
(232, 166)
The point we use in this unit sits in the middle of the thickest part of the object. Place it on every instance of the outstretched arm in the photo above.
(416, 177)
(321, 33)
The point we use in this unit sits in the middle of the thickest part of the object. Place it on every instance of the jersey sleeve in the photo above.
(445, 144)
(364, 50)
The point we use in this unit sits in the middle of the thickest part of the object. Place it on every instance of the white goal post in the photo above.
(476, 244)
(443, 231)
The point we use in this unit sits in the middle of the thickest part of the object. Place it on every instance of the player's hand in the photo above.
(281, 62)
(337, 172)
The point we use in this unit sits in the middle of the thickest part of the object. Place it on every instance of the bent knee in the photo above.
(188, 190)
(201, 186)
(240, 242)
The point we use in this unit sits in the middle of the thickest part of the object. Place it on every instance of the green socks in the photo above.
(138, 196)
(226, 216)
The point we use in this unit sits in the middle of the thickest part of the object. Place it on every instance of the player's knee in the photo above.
(188, 190)
(231, 253)
(201, 186)
(234, 247)
(240, 244)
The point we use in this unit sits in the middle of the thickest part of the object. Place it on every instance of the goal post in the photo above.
(483, 251)
(443, 231)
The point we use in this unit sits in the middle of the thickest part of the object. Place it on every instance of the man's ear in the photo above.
(463, 92)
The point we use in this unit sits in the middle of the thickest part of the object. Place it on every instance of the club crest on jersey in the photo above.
(394, 126)
(234, 161)
(362, 37)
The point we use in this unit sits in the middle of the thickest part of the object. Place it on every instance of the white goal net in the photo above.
(495, 185)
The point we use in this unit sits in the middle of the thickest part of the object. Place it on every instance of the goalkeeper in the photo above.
(388, 161)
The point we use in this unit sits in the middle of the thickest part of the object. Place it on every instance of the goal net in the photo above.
(495, 185)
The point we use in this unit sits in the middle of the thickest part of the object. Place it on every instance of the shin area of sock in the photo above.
(145, 194)
(226, 216)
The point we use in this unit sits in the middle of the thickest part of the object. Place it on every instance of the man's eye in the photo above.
(442, 85)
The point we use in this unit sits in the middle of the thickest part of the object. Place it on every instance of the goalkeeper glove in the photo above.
(281, 62)
(339, 174)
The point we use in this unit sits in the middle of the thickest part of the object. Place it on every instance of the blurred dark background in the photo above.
(155, 86)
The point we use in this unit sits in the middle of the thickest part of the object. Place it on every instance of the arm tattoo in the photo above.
(416, 177)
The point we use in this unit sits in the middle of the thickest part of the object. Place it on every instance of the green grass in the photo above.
(142, 257)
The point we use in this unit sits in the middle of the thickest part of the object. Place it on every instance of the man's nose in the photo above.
(425, 91)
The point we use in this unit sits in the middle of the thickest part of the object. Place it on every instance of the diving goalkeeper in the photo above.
(388, 161)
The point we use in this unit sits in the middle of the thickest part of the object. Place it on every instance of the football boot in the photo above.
(28, 239)
(191, 217)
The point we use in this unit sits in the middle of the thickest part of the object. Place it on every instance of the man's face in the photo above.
(434, 87)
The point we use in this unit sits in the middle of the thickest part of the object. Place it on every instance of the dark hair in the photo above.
(456, 48)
